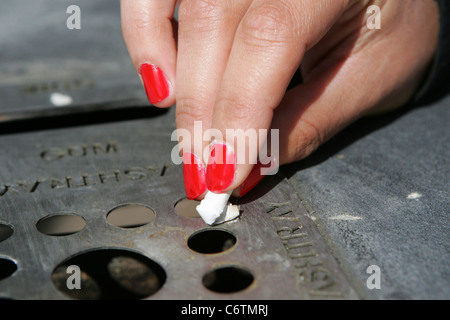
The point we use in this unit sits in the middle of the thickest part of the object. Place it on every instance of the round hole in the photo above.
(227, 279)
(89, 288)
(61, 224)
(110, 274)
(187, 208)
(7, 268)
(130, 216)
(211, 241)
(6, 231)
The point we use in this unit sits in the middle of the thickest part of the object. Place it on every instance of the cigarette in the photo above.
(214, 208)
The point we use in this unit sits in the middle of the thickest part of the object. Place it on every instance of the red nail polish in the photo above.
(221, 168)
(253, 178)
(155, 83)
(194, 176)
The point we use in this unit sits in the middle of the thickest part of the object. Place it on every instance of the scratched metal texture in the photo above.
(380, 191)
(39, 56)
(276, 239)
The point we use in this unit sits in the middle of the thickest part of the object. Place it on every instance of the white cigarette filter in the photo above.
(215, 209)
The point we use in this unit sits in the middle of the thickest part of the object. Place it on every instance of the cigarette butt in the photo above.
(214, 208)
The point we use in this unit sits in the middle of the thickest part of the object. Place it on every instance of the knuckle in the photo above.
(268, 24)
(189, 110)
(308, 138)
(236, 109)
(202, 15)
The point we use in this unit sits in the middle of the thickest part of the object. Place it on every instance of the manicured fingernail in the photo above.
(194, 176)
(221, 168)
(252, 180)
(254, 177)
(155, 83)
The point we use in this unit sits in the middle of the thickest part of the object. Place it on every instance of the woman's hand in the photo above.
(228, 63)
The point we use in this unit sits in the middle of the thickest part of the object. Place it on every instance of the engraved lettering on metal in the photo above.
(79, 151)
(300, 247)
(90, 170)
(67, 85)
(82, 180)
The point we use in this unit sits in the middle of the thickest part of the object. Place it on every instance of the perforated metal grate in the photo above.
(88, 175)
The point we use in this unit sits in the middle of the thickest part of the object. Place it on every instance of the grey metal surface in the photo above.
(72, 171)
(40, 56)
(380, 192)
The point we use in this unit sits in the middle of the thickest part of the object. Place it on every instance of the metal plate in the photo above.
(89, 170)
(80, 162)
(41, 57)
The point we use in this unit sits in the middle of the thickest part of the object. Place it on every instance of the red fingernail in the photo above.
(253, 178)
(221, 168)
(155, 83)
(194, 176)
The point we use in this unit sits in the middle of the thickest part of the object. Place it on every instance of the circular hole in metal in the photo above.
(130, 216)
(187, 208)
(6, 231)
(228, 279)
(109, 274)
(7, 268)
(61, 224)
(88, 287)
(211, 241)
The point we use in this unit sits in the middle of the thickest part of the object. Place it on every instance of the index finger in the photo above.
(268, 47)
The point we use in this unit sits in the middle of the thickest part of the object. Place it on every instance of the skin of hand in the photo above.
(228, 64)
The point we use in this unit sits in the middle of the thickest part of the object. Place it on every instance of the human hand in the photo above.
(227, 64)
